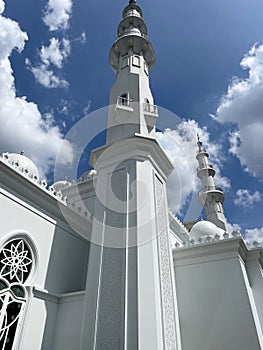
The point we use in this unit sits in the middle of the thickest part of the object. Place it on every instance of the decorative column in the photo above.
(130, 295)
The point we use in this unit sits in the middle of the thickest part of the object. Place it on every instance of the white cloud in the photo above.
(82, 38)
(87, 108)
(243, 106)
(22, 125)
(57, 14)
(55, 54)
(64, 107)
(46, 76)
(2, 6)
(247, 199)
(254, 235)
(180, 146)
(232, 227)
(11, 37)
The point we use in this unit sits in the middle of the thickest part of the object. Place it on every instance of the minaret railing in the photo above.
(147, 107)
(123, 101)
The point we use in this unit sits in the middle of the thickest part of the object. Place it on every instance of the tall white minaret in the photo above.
(130, 292)
(132, 56)
(210, 197)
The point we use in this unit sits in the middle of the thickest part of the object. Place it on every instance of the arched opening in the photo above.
(124, 99)
(147, 105)
(16, 262)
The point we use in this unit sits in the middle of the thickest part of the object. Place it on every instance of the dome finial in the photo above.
(132, 2)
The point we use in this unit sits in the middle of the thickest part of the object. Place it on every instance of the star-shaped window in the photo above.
(15, 261)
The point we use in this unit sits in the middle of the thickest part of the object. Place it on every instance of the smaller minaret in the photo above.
(210, 197)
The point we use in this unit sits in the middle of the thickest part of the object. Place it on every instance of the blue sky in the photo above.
(209, 72)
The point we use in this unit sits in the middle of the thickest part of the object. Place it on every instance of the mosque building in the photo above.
(101, 263)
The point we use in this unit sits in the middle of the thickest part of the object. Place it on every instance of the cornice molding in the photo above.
(38, 200)
(224, 249)
(43, 294)
(136, 147)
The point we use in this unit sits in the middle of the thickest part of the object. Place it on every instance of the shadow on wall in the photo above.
(66, 274)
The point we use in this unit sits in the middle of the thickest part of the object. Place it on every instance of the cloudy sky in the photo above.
(209, 72)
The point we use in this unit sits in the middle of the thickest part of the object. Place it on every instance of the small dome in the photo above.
(59, 185)
(87, 175)
(204, 228)
(23, 163)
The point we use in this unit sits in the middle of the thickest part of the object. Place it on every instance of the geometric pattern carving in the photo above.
(110, 328)
(15, 267)
(165, 271)
(110, 316)
(15, 261)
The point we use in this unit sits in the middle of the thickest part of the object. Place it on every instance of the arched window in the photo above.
(16, 262)
(124, 61)
(147, 105)
(136, 61)
(124, 99)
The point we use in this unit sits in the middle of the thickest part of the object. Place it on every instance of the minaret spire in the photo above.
(210, 197)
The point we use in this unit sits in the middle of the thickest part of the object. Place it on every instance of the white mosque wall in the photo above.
(216, 304)
(69, 322)
(254, 267)
(60, 256)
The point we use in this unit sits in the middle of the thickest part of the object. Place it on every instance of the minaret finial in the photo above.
(199, 143)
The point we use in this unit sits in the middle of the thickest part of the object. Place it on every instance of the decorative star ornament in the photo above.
(15, 262)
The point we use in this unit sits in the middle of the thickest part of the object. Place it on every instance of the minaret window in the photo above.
(136, 61)
(124, 61)
(123, 100)
(16, 261)
(146, 68)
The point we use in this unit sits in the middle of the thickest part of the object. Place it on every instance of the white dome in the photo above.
(87, 175)
(59, 185)
(204, 228)
(23, 163)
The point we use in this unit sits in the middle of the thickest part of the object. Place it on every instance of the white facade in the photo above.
(101, 263)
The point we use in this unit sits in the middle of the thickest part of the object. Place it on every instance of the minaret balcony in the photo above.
(207, 169)
(205, 166)
(150, 109)
(124, 103)
(211, 192)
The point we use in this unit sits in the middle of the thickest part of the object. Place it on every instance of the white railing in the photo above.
(147, 107)
(123, 101)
